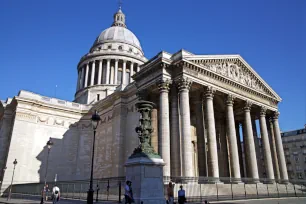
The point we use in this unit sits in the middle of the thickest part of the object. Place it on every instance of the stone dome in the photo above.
(118, 34)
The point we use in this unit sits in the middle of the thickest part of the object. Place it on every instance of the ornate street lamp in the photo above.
(49, 145)
(95, 118)
(10, 192)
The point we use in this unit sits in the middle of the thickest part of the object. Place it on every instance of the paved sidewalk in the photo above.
(35, 201)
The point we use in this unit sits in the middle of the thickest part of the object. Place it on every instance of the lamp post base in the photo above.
(90, 194)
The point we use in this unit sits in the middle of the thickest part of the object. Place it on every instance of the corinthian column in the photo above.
(212, 157)
(187, 152)
(107, 71)
(250, 152)
(164, 127)
(266, 145)
(124, 72)
(93, 69)
(116, 71)
(273, 148)
(175, 134)
(200, 128)
(86, 75)
(100, 71)
(280, 150)
(232, 140)
(131, 72)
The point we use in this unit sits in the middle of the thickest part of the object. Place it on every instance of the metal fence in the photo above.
(198, 189)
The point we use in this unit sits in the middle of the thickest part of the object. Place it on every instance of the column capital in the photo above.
(183, 84)
(163, 85)
(116, 60)
(247, 106)
(230, 100)
(210, 91)
(263, 111)
(275, 115)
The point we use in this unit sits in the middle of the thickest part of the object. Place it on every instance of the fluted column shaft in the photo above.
(280, 150)
(131, 72)
(123, 72)
(100, 72)
(107, 71)
(187, 151)
(164, 127)
(116, 71)
(175, 135)
(250, 152)
(212, 156)
(86, 75)
(239, 149)
(93, 68)
(273, 148)
(232, 140)
(200, 128)
(266, 145)
(78, 80)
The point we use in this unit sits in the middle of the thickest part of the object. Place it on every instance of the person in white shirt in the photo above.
(55, 194)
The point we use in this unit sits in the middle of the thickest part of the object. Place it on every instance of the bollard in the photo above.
(232, 191)
(217, 191)
(119, 191)
(268, 189)
(257, 190)
(244, 191)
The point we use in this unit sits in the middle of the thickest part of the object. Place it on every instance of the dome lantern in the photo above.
(119, 18)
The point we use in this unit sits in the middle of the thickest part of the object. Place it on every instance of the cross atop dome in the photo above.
(119, 17)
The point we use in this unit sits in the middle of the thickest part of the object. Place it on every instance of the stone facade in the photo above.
(295, 152)
(205, 107)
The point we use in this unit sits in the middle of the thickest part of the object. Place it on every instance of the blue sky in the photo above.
(41, 42)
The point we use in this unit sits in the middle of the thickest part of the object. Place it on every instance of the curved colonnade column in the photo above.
(106, 71)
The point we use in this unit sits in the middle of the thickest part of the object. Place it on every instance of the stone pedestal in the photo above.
(146, 175)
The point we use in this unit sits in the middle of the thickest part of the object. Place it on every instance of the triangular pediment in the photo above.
(235, 68)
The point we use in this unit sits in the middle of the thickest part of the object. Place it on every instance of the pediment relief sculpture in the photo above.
(238, 72)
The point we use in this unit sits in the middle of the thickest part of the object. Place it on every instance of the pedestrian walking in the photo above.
(181, 195)
(55, 194)
(128, 193)
(170, 193)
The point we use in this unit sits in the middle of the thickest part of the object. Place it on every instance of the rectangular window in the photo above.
(98, 97)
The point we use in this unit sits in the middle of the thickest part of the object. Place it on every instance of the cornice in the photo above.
(200, 69)
(110, 55)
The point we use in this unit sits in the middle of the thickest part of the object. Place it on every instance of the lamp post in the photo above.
(2, 177)
(10, 192)
(49, 145)
(95, 118)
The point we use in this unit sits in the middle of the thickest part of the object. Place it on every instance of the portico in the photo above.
(201, 101)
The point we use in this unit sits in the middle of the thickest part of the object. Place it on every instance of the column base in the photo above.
(209, 180)
(268, 181)
(252, 181)
(235, 181)
(282, 181)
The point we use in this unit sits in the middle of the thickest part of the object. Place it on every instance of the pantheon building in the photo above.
(208, 110)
